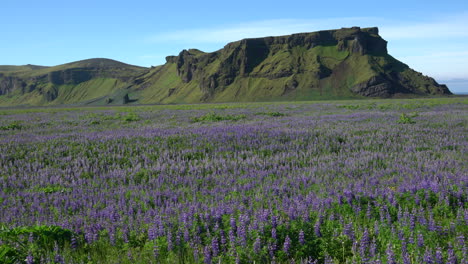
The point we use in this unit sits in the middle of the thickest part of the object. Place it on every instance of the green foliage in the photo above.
(141, 176)
(9, 255)
(51, 189)
(213, 117)
(406, 119)
(17, 241)
(273, 114)
(15, 125)
(131, 117)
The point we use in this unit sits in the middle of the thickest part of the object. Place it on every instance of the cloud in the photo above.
(442, 65)
(277, 27)
(444, 26)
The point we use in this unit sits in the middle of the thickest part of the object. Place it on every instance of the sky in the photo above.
(430, 36)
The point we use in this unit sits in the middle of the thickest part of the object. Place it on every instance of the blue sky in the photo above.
(429, 36)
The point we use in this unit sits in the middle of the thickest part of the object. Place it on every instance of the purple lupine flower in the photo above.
(274, 221)
(461, 241)
(273, 233)
(405, 257)
(287, 245)
(178, 238)
(428, 257)
(364, 243)
(241, 232)
(257, 245)
(186, 235)
(439, 258)
(317, 229)
(29, 259)
(301, 237)
(233, 224)
(404, 246)
(411, 239)
(272, 249)
(223, 238)
(348, 231)
(422, 220)
(195, 254)
(156, 251)
(373, 248)
(401, 234)
(151, 233)
(232, 238)
(369, 211)
(390, 255)
(207, 255)
(412, 220)
(170, 245)
(451, 257)
(328, 260)
(420, 240)
(73, 243)
(215, 246)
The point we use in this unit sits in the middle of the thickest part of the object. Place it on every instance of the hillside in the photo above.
(343, 63)
(77, 82)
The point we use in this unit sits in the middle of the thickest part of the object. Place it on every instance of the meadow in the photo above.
(374, 181)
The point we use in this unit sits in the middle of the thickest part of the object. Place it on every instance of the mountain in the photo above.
(343, 63)
(77, 82)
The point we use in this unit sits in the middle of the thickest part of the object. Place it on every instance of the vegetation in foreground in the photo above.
(335, 182)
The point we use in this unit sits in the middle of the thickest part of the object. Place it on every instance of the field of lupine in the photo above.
(311, 182)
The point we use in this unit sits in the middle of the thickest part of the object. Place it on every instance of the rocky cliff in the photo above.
(321, 60)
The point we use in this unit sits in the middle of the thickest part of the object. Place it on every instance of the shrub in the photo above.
(130, 117)
(15, 125)
(274, 114)
(405, 119)
(213, 117)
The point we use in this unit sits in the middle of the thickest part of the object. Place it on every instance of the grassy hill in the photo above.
(77, 82)
(331, 64)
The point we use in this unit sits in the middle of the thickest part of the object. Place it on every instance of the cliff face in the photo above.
(343, 63)
(293, 61)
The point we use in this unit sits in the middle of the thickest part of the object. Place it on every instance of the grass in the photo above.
(213, 117)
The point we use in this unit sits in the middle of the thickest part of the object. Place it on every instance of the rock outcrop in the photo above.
(215, 71)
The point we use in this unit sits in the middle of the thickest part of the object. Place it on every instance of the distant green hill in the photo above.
(12, 68)
(73, 83)
(344, 63)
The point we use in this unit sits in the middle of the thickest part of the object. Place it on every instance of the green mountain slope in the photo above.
(349, 62)
(77, 82)
(343, 63)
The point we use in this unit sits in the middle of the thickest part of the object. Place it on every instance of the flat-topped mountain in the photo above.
(343, 63)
